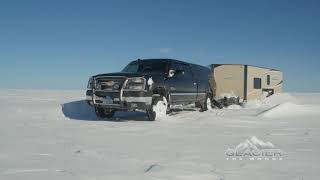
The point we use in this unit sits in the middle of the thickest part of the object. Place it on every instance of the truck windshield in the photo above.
(146, 67)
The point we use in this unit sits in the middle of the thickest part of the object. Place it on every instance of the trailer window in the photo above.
(257, 83)
(268, 79)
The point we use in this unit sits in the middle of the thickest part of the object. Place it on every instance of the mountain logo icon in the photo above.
(254, 149)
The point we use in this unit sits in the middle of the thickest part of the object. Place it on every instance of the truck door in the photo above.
(183, 89)
(201, 77)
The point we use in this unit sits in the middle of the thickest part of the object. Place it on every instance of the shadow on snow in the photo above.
(80, 110)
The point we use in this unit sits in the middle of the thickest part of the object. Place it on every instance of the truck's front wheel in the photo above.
(158, 109)
(103, 113)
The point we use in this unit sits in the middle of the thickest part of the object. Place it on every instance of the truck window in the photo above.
(131, 68)
(147, 66)
(257, 83)
(187, 71)
(152, 67)
(185, 67)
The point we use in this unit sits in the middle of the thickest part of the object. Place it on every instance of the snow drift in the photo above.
(290, 109)
(54, 135)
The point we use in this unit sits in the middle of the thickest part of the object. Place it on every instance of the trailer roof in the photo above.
(215, 65)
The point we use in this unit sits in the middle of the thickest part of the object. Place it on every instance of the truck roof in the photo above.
(169, 59)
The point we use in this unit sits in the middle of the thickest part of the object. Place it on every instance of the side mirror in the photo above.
(171, 73)
(175, 72)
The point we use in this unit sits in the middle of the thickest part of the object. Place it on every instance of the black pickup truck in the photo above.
(151, 85)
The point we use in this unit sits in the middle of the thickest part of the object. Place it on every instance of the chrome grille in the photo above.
(109, 84)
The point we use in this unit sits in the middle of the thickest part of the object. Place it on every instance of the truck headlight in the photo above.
(135, 84)
(90, 83)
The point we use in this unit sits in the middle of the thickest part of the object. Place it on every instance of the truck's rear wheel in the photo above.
(158, 109)
(207, 104)
(104, 113)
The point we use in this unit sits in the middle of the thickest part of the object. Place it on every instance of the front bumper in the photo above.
(122, 100)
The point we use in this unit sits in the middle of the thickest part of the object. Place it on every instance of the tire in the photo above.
(159, 108)
(151, 115)
(103, 113)
(207, 104)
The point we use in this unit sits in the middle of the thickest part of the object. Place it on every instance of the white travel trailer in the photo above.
(245, 82)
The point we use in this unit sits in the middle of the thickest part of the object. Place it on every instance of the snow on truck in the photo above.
(151, 85)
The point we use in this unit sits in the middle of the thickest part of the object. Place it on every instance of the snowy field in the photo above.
(55, 135)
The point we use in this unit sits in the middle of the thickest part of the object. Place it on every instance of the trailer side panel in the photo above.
(261, 80)
(229, 81)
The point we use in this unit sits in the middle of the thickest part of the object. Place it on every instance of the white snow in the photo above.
(161, 108)
(150, 81)
(228, 95)
(46, 134)
(234, 106)
(290, 109)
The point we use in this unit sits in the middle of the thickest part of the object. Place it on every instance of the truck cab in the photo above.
(151, 85)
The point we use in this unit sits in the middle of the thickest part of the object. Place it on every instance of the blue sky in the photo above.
(59, 44)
